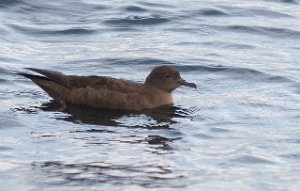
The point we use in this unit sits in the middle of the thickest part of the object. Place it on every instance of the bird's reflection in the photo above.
(156, 136)
(163, 116)
(107, 120)
(94, 122)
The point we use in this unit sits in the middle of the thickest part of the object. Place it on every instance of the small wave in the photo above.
(268, 31)
(185, 112)
(262, 12)
(133, 8)
(3, 148)
(248, 159)
(243, 73)
(123, 61)
(228, 45)
(252, 12)
(3, 80)
(72, 8)
(27, 110)
(212, 12)
(284, 1)
(156, 5)
(203, 136)
(142, 61)
(35, 31)
(3, 71)
(145, 174)
(278, 79)
(229, 11)
(6, 3)
(138, 20)
(5, 58)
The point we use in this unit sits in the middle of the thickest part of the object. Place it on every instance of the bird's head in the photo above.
(166, 79)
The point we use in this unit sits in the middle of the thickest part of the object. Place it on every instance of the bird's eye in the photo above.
(167, 76)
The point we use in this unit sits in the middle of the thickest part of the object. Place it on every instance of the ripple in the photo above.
(228, 45)
(292, 156)
(212, 12)
(148, 175)
(9, 123)
(248, 159)
(119, 62)
(284, 1)
(251, 12)
(133, 8)
(230, 11)
(156, 139)
(24, 94)
(217, 68)
(40, 32)
(3, 80)
(6, 59)
(3, 70)
(244, 73)
(68, 9)
(264, 12)
(2, 148)
(219, 130)
(243, 56)
(6, 3)
(138, 20)
(182, 112)
(156, 5)
(93, 131)
(280, 79)
(27, 110)
(261, 30)
(203, 136)
(141, 61)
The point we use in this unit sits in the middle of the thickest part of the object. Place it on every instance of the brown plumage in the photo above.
(111, 93)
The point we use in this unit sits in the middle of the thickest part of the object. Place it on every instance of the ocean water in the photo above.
(240, 130)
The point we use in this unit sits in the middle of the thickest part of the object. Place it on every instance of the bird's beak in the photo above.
(188, 84)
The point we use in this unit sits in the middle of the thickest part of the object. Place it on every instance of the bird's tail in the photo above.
(48, 85)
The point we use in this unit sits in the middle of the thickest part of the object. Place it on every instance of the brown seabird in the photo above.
(111, 93)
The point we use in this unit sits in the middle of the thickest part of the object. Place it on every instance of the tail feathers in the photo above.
(58, 77)
(48, 85)
(32, 77)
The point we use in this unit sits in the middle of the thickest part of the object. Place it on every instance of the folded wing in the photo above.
(97, 82)
(93, 91)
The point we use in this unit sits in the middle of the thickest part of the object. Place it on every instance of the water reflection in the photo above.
(129, 146)
(100, 127)
(160, 118)
(145, 174)
(106, 122)
(161, 144)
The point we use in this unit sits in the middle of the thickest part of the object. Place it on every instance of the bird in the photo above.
(110, 93)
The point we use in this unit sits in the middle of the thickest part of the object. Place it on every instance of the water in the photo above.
(238, 131)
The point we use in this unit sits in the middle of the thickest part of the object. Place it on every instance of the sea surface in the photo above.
(240, 130)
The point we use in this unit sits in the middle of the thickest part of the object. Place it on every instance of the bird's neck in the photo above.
(156, 96)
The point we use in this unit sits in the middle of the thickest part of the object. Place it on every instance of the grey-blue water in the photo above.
(240, 130)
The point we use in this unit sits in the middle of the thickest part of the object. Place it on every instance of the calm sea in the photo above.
(240, 130)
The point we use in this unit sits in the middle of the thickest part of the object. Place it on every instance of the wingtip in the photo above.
(32, 77)
(26, 75)
(21, 74)
(32, 69)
